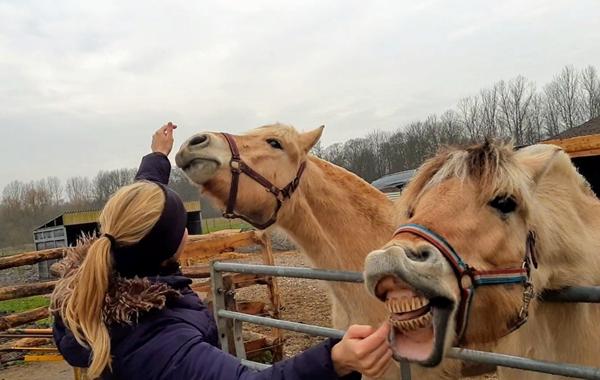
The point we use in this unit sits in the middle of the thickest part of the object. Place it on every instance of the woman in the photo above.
(123, 310)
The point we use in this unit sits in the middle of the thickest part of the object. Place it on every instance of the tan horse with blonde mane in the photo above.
(332, 214)
(482, 206)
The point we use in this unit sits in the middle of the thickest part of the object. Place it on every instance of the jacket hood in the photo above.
(127, 298)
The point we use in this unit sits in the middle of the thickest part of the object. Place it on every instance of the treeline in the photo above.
(27, 205)
(516, 109)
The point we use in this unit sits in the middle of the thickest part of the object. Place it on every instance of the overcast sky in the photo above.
(83, 84)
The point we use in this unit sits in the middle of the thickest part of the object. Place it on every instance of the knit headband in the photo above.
(145, 257)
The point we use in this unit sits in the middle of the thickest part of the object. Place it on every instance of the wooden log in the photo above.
(29, 258)
(215, 244)
(28, 342)
(251, 307)
(216, 257)
(196, 271)
(255, 345)
(30, 331)
(44, 358)
(19, 319)
(26, 290)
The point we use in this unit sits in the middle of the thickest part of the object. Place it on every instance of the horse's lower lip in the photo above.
(198, 160)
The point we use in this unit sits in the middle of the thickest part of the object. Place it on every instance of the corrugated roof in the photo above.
(74, 217)
(393, 181)
(590, 127)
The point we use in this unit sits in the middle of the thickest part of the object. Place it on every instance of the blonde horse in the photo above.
(333, 215)
(481, 230)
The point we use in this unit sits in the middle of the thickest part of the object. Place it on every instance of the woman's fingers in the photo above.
(162, 140)
(381, 365)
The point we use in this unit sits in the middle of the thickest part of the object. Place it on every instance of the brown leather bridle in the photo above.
(238, 166)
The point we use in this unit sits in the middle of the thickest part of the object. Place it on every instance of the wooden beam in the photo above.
(196, 271)
(28, 342)
(29, 258)
(216, 244)
(577, 144)
(18, 319)
(585, 153)
(30, 331)
(251, 307)
(26, 290)
(44, 358)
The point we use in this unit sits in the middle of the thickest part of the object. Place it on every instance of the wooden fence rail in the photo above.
(29, 258)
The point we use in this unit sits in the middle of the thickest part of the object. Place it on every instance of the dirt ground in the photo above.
(303, 301)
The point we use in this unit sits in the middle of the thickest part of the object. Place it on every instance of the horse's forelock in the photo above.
(490, 165)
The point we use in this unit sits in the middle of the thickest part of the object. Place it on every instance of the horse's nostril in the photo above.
(198, 139)
(421, 254)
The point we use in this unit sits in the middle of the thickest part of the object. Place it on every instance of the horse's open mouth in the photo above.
(419, 321)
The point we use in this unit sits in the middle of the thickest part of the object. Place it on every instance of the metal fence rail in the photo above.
(575, 294)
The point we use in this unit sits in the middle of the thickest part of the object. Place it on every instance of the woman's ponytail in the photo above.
(126, 218)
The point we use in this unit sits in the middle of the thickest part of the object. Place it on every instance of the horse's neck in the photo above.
(336, 217)
(568, 228)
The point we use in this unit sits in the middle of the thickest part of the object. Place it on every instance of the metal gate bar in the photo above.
(587, 294)
(574, 294)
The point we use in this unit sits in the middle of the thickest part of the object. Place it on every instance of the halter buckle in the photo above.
(528, 294)
(466, 281)
(236, 166)
(228, 215)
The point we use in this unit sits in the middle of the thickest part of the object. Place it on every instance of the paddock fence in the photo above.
(227, 335)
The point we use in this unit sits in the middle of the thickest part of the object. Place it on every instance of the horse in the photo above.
(482, 232)
(268, 177)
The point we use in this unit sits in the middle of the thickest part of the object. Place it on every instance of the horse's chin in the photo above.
(199, 171)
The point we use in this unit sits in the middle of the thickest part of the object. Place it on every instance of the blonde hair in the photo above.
(128, 216)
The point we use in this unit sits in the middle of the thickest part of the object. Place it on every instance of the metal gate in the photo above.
(576, 294)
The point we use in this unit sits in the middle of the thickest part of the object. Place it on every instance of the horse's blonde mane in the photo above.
(490, 164)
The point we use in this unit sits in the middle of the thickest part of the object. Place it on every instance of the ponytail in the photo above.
(127, 217)
(82, 312)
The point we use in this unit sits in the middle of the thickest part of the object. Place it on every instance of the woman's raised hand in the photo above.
(162, 140)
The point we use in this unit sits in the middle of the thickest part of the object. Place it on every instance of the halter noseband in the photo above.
(238, 166)
(470, 278)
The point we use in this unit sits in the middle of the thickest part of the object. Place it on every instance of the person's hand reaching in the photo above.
(162, 140)
(363, 349)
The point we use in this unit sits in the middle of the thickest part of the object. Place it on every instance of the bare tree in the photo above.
(489, 111)
(55, 190)
(515, 99)
(590, 87)
(468, 109)
(107, 182)
(565, 93)
(79, 191)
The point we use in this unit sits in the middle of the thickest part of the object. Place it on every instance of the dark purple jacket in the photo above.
(180, 341)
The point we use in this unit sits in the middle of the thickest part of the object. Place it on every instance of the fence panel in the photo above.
(574, 294)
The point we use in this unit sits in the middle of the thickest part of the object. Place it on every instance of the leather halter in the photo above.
(469, 278)
(238, 166)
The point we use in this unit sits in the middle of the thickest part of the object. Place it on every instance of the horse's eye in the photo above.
(504, 204)
(274, 144)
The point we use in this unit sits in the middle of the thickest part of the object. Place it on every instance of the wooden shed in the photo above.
(582, 143)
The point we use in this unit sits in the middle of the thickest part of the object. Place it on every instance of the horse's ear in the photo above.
(310, 138)
(538, 159)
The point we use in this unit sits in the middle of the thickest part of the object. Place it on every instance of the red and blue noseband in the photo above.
(470, 278)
